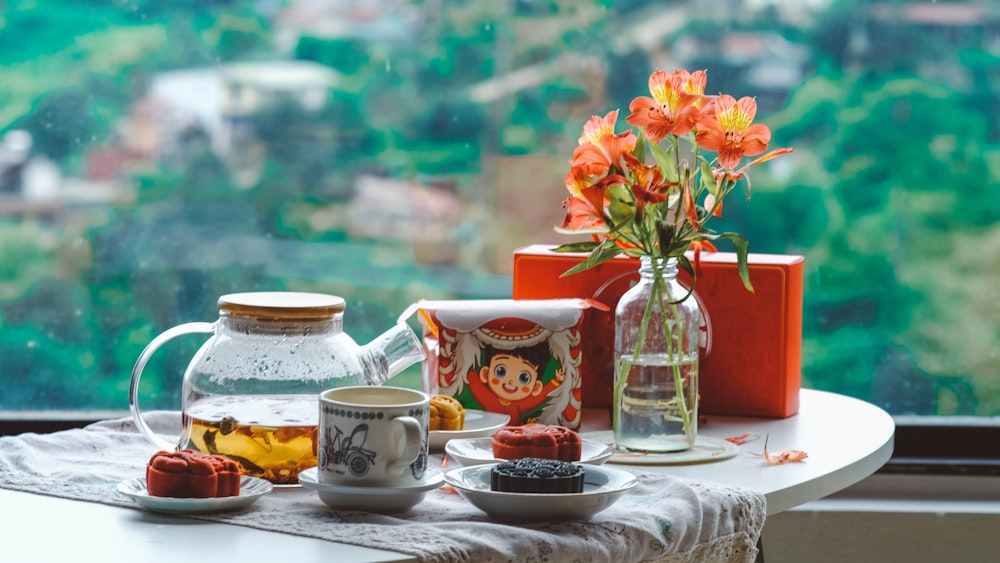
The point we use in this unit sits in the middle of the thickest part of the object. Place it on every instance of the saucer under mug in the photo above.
(372, 499)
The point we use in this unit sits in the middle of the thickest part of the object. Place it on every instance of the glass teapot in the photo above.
(251, 391)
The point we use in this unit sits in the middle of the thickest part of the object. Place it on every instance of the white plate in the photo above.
(706, 450)
(477, 424)
(476, 451)
(371, 499)
(251, 489)
(602, 486)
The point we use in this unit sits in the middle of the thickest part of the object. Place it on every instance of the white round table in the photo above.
(846, 439)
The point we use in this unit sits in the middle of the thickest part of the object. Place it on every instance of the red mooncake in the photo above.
(191, 474)
(537, 440)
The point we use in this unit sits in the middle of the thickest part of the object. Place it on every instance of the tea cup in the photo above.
(373, 436)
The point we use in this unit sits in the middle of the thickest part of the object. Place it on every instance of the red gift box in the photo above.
(751, 353)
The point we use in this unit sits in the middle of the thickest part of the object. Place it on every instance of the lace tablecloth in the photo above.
(663, 519)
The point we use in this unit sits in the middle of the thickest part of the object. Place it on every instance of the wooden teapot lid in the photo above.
(282, 305)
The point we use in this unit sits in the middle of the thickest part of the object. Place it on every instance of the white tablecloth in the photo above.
(664, 518)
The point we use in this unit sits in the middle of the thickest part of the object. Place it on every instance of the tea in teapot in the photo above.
(251, 391)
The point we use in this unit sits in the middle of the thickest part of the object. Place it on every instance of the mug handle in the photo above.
(140, 364)
(414, 437)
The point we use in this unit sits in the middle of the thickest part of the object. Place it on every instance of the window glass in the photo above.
(156, 155)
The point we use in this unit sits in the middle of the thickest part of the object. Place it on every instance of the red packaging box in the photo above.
(536, 343)
(751, 353)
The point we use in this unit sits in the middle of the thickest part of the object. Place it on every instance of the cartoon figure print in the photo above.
(524, 363)
(511, 381)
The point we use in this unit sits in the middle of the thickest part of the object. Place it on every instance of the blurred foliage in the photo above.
(890, 194)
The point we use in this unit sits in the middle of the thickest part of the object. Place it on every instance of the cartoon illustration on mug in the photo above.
(515, 366)
(347, 449)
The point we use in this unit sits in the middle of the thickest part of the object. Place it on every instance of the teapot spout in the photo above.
(390, 353)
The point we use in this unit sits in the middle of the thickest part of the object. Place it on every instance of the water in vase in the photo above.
(649, 413)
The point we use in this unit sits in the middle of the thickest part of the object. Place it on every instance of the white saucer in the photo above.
(371, 499)
(477, 424)
(251, 489)
(476, 451)
(602, 487)
(706, 450)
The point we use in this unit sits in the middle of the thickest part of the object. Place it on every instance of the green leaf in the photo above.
(605, 251)
(665, 233)
(707, 177)
(666, 162)
(742, 248)
(621, 206)
(585, 246)
(640, 148)
(595, 231)
(685, 265)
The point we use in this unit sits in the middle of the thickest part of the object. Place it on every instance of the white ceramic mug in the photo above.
(373, 436)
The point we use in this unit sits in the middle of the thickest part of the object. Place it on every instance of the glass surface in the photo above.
(156, 155)
(655, 396)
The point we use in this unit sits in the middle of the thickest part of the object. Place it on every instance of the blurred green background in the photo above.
(393, 151)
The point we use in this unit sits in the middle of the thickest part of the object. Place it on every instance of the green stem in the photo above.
(626, 367)
(673, 334)
(675, 350)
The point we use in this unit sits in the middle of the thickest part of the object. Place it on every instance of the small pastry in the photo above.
(537, 440)
(446, 413)
(534, 475)
(192, 474)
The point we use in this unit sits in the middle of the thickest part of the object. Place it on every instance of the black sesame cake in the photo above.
(536, 475)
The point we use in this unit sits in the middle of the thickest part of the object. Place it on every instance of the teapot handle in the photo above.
(140, 364)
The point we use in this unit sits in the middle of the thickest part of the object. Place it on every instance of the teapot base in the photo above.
(271, 437)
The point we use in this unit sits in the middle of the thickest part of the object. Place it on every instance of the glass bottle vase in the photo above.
(655, 399)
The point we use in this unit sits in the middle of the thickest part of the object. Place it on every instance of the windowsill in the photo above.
(909, 493)
(19, 422)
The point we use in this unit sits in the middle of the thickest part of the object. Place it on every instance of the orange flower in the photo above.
(673, 107)
(580, 215)
(585, 209)
(731, 131)
(742, 438)
(690, 207)
(783, 456)
(692, 83)
(647, 184)
(599, 147)
(653, 209)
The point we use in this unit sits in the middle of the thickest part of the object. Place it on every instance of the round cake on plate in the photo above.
(535, 475)
(537, 440)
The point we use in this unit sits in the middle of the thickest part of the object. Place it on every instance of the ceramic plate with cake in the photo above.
(477, 424)
(191, 481)
(602, 487)
(251, 489)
